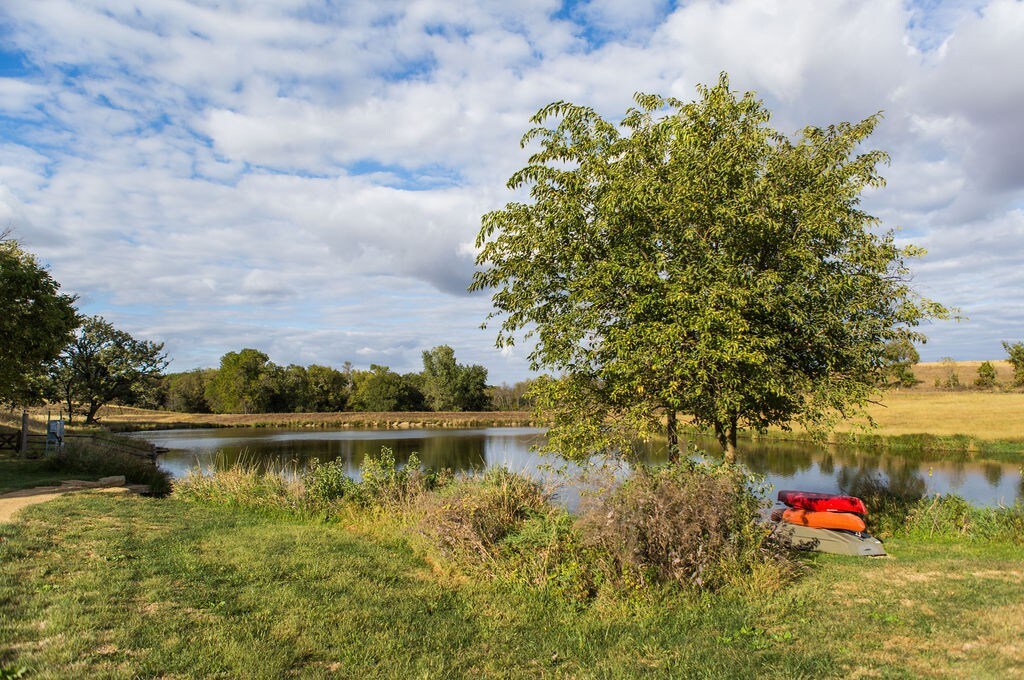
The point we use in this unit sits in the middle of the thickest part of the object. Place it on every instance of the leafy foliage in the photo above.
(986, 375)
(381, 389)
(899, 357)
(1015, 354)
(103, 364)
(242, 384)
(450, 386)
(36, 322)
(696, 261)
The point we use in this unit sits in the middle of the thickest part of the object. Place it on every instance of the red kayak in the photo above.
(822, 502)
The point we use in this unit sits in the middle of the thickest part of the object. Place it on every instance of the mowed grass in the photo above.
(122, 587)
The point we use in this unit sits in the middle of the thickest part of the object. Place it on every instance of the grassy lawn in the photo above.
(94, 585)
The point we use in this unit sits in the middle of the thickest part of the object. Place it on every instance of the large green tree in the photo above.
(244, 383)
(693, 261)
(36, 322)
(381, 389)
(451, 386)
(103, 364)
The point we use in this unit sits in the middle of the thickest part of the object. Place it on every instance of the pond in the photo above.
(785, 465)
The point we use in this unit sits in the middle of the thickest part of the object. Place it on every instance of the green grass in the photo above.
(103, 586)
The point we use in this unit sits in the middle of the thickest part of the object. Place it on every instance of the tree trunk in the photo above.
(91, 417)
(673, 437)
(726, 437)
(730, 449)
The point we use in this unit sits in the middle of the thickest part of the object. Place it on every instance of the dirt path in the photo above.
(12, 502)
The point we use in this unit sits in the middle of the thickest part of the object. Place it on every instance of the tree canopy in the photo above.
(451, 386)
(692, 260)
(103, 364)
(36, 322)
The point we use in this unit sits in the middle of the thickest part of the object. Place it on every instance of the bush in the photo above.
(385, 483)
(328, 482)
(986, 376)
(1015, 355)
(470, 518)
(692, 524)
(103, 461)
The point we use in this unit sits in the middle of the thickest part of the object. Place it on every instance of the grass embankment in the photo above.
(121, 587)
(126, 418)
(80, 460)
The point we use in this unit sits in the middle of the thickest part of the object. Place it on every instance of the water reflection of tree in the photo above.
(993, 473)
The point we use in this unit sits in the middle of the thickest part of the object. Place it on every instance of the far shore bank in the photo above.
(969, 424)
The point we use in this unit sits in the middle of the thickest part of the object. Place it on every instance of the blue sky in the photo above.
(308, 177)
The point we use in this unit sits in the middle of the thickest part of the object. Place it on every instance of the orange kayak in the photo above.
(824, 520)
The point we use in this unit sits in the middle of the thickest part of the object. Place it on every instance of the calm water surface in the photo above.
(785, 465)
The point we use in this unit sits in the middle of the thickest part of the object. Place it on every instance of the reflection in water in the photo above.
(790, 465)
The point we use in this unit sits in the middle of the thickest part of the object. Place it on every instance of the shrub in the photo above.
(385, 483)
(1015, 355)
(986, 375)
(952, 379)
(470, 518)
(105, 461)
(692, 524)
(328, 482)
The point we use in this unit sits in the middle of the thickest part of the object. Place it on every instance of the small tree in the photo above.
(986, 375)
(900, 357)
(1015, 353)
(692, 260)
(36, 322)
(950, 380)
(102, 365)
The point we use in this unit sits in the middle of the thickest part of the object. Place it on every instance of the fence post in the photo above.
(23, 447)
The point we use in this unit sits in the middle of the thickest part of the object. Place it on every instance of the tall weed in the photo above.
(953, 518)
(697, 525)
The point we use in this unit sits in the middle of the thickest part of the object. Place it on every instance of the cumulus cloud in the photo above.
(308, 177)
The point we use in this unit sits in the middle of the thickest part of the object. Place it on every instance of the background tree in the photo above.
(1015, 354)
(986, 375)
(695, 261)
(242, 384)
(506, 397)
(186, 392)
(900, 357)
(102, 365)
(450, 386)
(951, 381)
(328, 389)
(381, 389)
(36, 322)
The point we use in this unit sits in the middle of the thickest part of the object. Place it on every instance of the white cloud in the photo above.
(308, 178)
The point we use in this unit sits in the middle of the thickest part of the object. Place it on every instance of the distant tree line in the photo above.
(247, 381)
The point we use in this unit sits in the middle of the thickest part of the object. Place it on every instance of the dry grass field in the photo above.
(966, 372)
